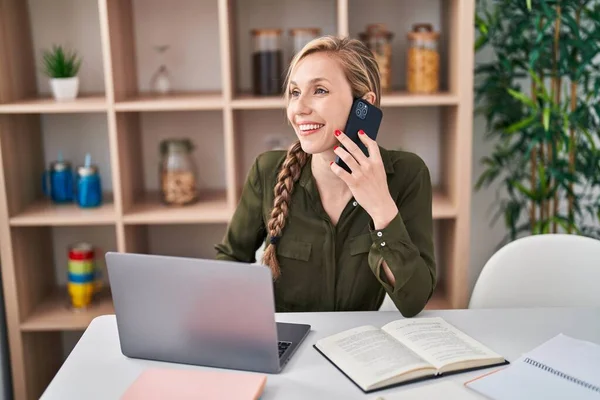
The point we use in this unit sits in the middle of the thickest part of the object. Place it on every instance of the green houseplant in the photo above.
(62, 67)
(540, 98)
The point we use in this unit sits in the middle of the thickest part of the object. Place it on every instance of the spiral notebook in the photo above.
(561, 368)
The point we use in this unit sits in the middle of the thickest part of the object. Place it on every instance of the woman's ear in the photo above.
(370, 97)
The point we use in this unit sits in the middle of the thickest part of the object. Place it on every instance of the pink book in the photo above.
(183, 384)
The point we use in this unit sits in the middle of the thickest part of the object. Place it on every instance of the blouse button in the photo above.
(355, 204)
(382, 244)
(379, 234)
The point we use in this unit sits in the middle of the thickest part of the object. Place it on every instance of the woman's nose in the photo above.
(302, 106)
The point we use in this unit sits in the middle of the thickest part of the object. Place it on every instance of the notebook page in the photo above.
(577, 358)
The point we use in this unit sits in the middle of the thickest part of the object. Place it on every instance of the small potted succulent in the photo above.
(62, 66)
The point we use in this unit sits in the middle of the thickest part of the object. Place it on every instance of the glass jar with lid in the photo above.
(423, 61)
(57, 182)
(301, 36)
(379, 40)
(178, 174)
(88, 185)
(267, 62)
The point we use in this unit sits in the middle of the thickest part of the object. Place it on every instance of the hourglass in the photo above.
(161, 81)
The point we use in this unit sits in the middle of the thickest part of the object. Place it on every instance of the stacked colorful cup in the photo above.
(82, 275)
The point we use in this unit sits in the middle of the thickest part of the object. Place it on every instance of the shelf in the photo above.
(405, 99)
(211, 208)
(392, 99)
(54, 314)
(173, 102)
(251, 102)
(442, 206)
(43, 105)
(45, 213)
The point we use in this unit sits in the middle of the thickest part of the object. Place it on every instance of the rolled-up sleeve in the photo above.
(406, 246)
(246, 230)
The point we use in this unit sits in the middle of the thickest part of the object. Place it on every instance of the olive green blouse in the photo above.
(326, 267)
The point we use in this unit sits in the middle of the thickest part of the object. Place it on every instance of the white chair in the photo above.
(550, 270)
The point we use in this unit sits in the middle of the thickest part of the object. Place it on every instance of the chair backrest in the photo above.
(550, 270)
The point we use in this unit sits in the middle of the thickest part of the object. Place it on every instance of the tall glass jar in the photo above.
(301, 36)
(423, 61)
(379, 40)
(267, 62)
(178, 174)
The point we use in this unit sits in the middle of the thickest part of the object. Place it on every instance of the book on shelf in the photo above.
(404, 351)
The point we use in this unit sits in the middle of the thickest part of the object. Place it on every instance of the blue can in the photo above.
(57, 182)
(89, 187)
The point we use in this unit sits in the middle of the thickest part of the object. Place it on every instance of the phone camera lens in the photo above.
(361, 110)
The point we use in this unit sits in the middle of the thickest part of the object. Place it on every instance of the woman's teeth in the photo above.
(310, 127)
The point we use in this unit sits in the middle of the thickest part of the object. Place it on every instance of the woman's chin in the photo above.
(311, 146)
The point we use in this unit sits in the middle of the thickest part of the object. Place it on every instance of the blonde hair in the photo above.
(362, 72)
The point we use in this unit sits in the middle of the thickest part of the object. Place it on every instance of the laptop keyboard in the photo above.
(283, 347)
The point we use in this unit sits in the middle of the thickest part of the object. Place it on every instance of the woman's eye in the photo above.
(321, 91)
(294, 93)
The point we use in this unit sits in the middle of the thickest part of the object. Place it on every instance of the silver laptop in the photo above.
(202, 312)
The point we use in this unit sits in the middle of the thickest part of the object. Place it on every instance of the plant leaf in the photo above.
(522, 98)
(519, 186)
(522, 124)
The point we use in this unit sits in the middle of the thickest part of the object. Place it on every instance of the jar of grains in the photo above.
(379, 40)
(423, 61)
(178, 180)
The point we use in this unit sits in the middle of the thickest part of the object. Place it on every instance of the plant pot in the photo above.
(65, 89)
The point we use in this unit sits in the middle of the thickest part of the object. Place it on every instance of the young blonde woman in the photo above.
(336, 241)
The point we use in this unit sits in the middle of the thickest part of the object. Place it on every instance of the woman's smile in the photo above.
(308, 128)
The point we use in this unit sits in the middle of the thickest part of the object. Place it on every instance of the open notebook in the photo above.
(404, 351)
(561, 368)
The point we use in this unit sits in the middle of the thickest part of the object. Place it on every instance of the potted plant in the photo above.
(539, 95)
(62, 66)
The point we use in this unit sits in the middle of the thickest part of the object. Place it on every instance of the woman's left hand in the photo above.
(368, 180)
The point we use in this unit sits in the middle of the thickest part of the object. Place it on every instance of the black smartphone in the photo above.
(363, 115)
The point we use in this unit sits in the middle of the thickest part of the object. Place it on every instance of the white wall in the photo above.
(193, 57)
(193, 60)
(484, 237)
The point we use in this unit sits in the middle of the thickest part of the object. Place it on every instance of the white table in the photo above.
(96, 369)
